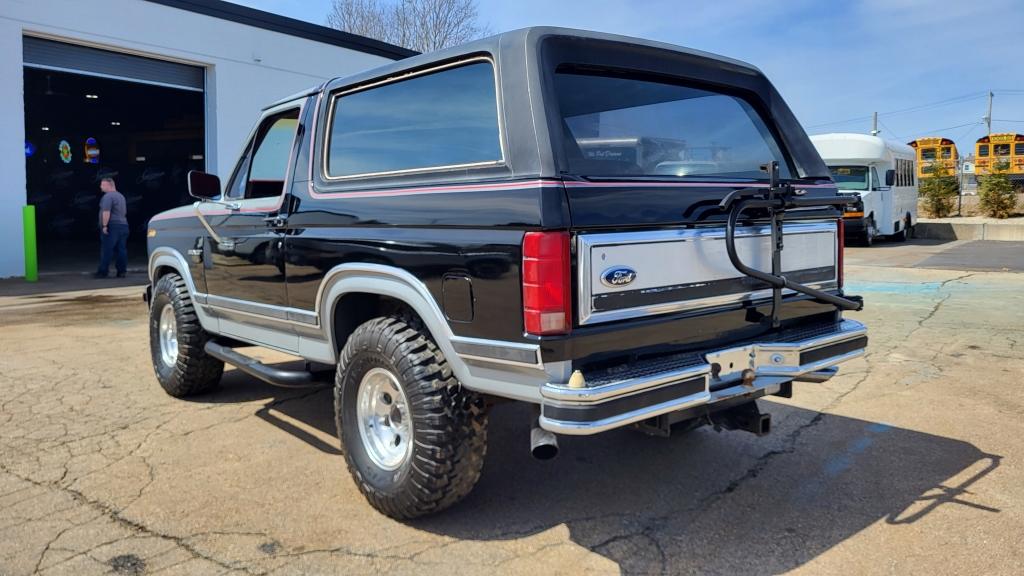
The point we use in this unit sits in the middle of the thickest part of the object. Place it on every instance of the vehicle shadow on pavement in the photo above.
(697, 502)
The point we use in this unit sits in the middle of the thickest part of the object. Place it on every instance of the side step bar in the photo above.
(268, 374)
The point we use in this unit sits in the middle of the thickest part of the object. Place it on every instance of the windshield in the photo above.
(619, 126)
(850, 177)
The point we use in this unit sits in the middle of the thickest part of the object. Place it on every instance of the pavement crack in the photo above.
(136, 526)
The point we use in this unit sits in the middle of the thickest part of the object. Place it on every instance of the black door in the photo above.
(246, 253)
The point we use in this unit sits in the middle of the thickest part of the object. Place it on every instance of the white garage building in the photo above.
(143, 91)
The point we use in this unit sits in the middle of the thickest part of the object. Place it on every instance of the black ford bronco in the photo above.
(618, 232)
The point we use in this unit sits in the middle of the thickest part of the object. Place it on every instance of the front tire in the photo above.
(177, 341)
(414, 439)
(868, 237)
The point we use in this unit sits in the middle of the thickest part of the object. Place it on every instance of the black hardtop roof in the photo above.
(514, 40)
(531, 140)
(527, 39)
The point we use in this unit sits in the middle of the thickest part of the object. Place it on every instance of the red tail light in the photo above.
(841, 245)
(547, 299)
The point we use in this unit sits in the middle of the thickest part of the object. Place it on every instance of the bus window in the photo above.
(850, 177)
(947, 153)
(1000, 149)
(875, 182)
(1018, 149)
(927, 153)
(983, 150)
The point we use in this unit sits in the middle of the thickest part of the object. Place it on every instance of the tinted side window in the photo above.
(236, 189)
(446, 118)
(261, 174)
(1018, 149)
(983, 150)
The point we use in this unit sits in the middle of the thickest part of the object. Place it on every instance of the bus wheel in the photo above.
(868, 237)
(906, 232)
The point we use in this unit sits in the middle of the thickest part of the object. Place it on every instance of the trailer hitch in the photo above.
(777, 199)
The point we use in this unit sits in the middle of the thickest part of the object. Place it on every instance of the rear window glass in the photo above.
(625, 126)
(446, 118)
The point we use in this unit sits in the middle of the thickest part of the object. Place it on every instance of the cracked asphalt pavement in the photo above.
(908, 462)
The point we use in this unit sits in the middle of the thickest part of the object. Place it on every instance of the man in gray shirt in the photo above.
(113, 230)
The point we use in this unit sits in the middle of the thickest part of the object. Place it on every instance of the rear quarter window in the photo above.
(440, 119)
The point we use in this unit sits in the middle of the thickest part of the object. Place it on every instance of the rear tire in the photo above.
(177, 341)
(414, 439)
(906, 232)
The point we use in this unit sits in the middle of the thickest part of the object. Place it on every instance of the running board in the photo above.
(268, 374)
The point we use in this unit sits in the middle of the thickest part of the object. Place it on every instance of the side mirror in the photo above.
(890, 177)
(203, 186)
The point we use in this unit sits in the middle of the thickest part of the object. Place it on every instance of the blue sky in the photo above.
(924, 65)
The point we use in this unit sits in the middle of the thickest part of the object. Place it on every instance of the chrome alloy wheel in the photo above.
(385, 425)
(168, 335)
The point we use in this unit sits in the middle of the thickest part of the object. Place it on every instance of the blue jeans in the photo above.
(114, 244)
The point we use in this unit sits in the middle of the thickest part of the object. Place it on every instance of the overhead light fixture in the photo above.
(92, 96)
(115, 123)
(45, 128)
(140, 158)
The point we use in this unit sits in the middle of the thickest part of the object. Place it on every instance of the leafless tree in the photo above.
(421, 25)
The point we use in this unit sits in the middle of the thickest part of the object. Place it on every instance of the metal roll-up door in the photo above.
(48, 54)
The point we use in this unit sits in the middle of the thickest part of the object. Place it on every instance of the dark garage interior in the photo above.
(81, 128)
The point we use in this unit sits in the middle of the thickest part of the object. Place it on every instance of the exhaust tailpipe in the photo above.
(543, 444)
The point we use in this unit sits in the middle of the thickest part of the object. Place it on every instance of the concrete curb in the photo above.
(947, 230)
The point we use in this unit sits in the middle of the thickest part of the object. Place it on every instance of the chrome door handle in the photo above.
(276, 221)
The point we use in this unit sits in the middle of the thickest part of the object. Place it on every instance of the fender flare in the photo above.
(393, 283)
(171, 258)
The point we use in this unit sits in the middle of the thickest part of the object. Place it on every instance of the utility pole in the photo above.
(988, 117)
(874, 124)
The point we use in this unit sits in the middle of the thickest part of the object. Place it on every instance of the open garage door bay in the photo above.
(91, 114)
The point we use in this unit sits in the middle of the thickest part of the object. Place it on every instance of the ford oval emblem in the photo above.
(618, 276)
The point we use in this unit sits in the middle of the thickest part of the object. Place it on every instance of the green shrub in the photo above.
(997, 197)
(939, 191)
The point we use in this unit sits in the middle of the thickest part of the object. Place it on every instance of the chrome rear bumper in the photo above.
(622, 396)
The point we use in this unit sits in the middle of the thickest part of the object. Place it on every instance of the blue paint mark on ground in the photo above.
(861, 444)
(843, 461)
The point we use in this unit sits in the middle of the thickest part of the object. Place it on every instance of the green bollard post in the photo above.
(28, 217)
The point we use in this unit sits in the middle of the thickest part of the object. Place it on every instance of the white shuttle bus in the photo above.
(882, 174)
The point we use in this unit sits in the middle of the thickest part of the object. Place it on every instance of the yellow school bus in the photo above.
(993, 149)
(934, 151)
